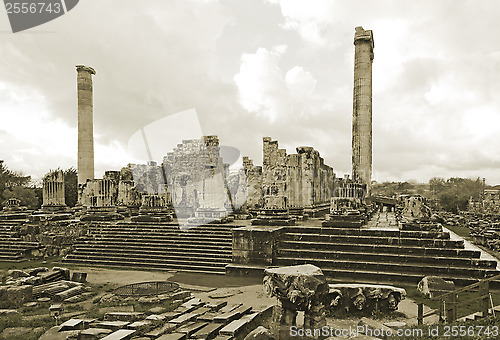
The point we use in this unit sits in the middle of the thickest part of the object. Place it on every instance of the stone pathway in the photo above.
(470, 246)
(382, 220)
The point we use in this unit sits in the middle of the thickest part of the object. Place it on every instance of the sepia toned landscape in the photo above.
(160, 200)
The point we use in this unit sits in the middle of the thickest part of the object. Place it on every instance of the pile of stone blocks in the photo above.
(41, 285)
(193, 319)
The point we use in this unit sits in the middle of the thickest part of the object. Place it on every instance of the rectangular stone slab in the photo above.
(208, 316)
(207, 331)
(170, 315)
(184, 318)
(94, 333)
(139, 325)
(173, 336)
(216, 305)
(123, 316)
(230, 316)
(234, 327)
(113, 325)
(72, 324)
(190, 329)
(121, 334)
(229, 308)
(223, 337)
(166, 328)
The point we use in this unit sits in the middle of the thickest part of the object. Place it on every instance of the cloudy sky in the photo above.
(254, 68)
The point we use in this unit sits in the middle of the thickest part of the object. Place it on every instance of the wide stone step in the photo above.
(435, 243)
(132, 263)
(15, 242)
(422, 269)
(151, 240)
(14, 247)
(370, 276)
(215, 233)
(4, 251)
(11, 257)
(165, 235)
(172, 225)
(385, 257)
(165, 255)
(161, 244)
(362, 276)
(178, 261)
(162, 227)
(367, 232)
(378, 248)
(127, 248)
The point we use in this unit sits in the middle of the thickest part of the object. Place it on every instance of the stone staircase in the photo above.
(371, 255)
(12, 247)
(160, 246)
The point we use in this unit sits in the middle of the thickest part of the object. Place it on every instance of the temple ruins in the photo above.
(53, 191)
(290, 220)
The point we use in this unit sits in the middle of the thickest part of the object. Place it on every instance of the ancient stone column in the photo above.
(362, 107)
(85, 124)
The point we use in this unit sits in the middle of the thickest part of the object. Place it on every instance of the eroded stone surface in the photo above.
(297, 288)
(363, 298)
(432, 286)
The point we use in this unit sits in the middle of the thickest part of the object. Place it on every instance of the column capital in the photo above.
(83, 68)
(362, 35)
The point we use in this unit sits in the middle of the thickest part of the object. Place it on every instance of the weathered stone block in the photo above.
(432, 286)
(256, 245)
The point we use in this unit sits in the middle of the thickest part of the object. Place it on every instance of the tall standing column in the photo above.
(362, 108)
(85, 124)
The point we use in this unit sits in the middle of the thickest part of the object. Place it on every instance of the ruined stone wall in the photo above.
(196, 175)
(117, 188)
(326, 183)
(294, 185)
(253, 177)
(148, 178)
(310, 181)
(53, 189)
(237, 184)
(128, 194)
(274, 175)
(347, 188)
(99, 193)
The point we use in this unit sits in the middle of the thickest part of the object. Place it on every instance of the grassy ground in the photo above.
(41, 324)
(460, 231)
(49, 262)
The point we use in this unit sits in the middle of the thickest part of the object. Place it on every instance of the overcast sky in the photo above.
(255, 68)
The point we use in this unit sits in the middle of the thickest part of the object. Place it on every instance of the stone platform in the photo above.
(376, 253)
